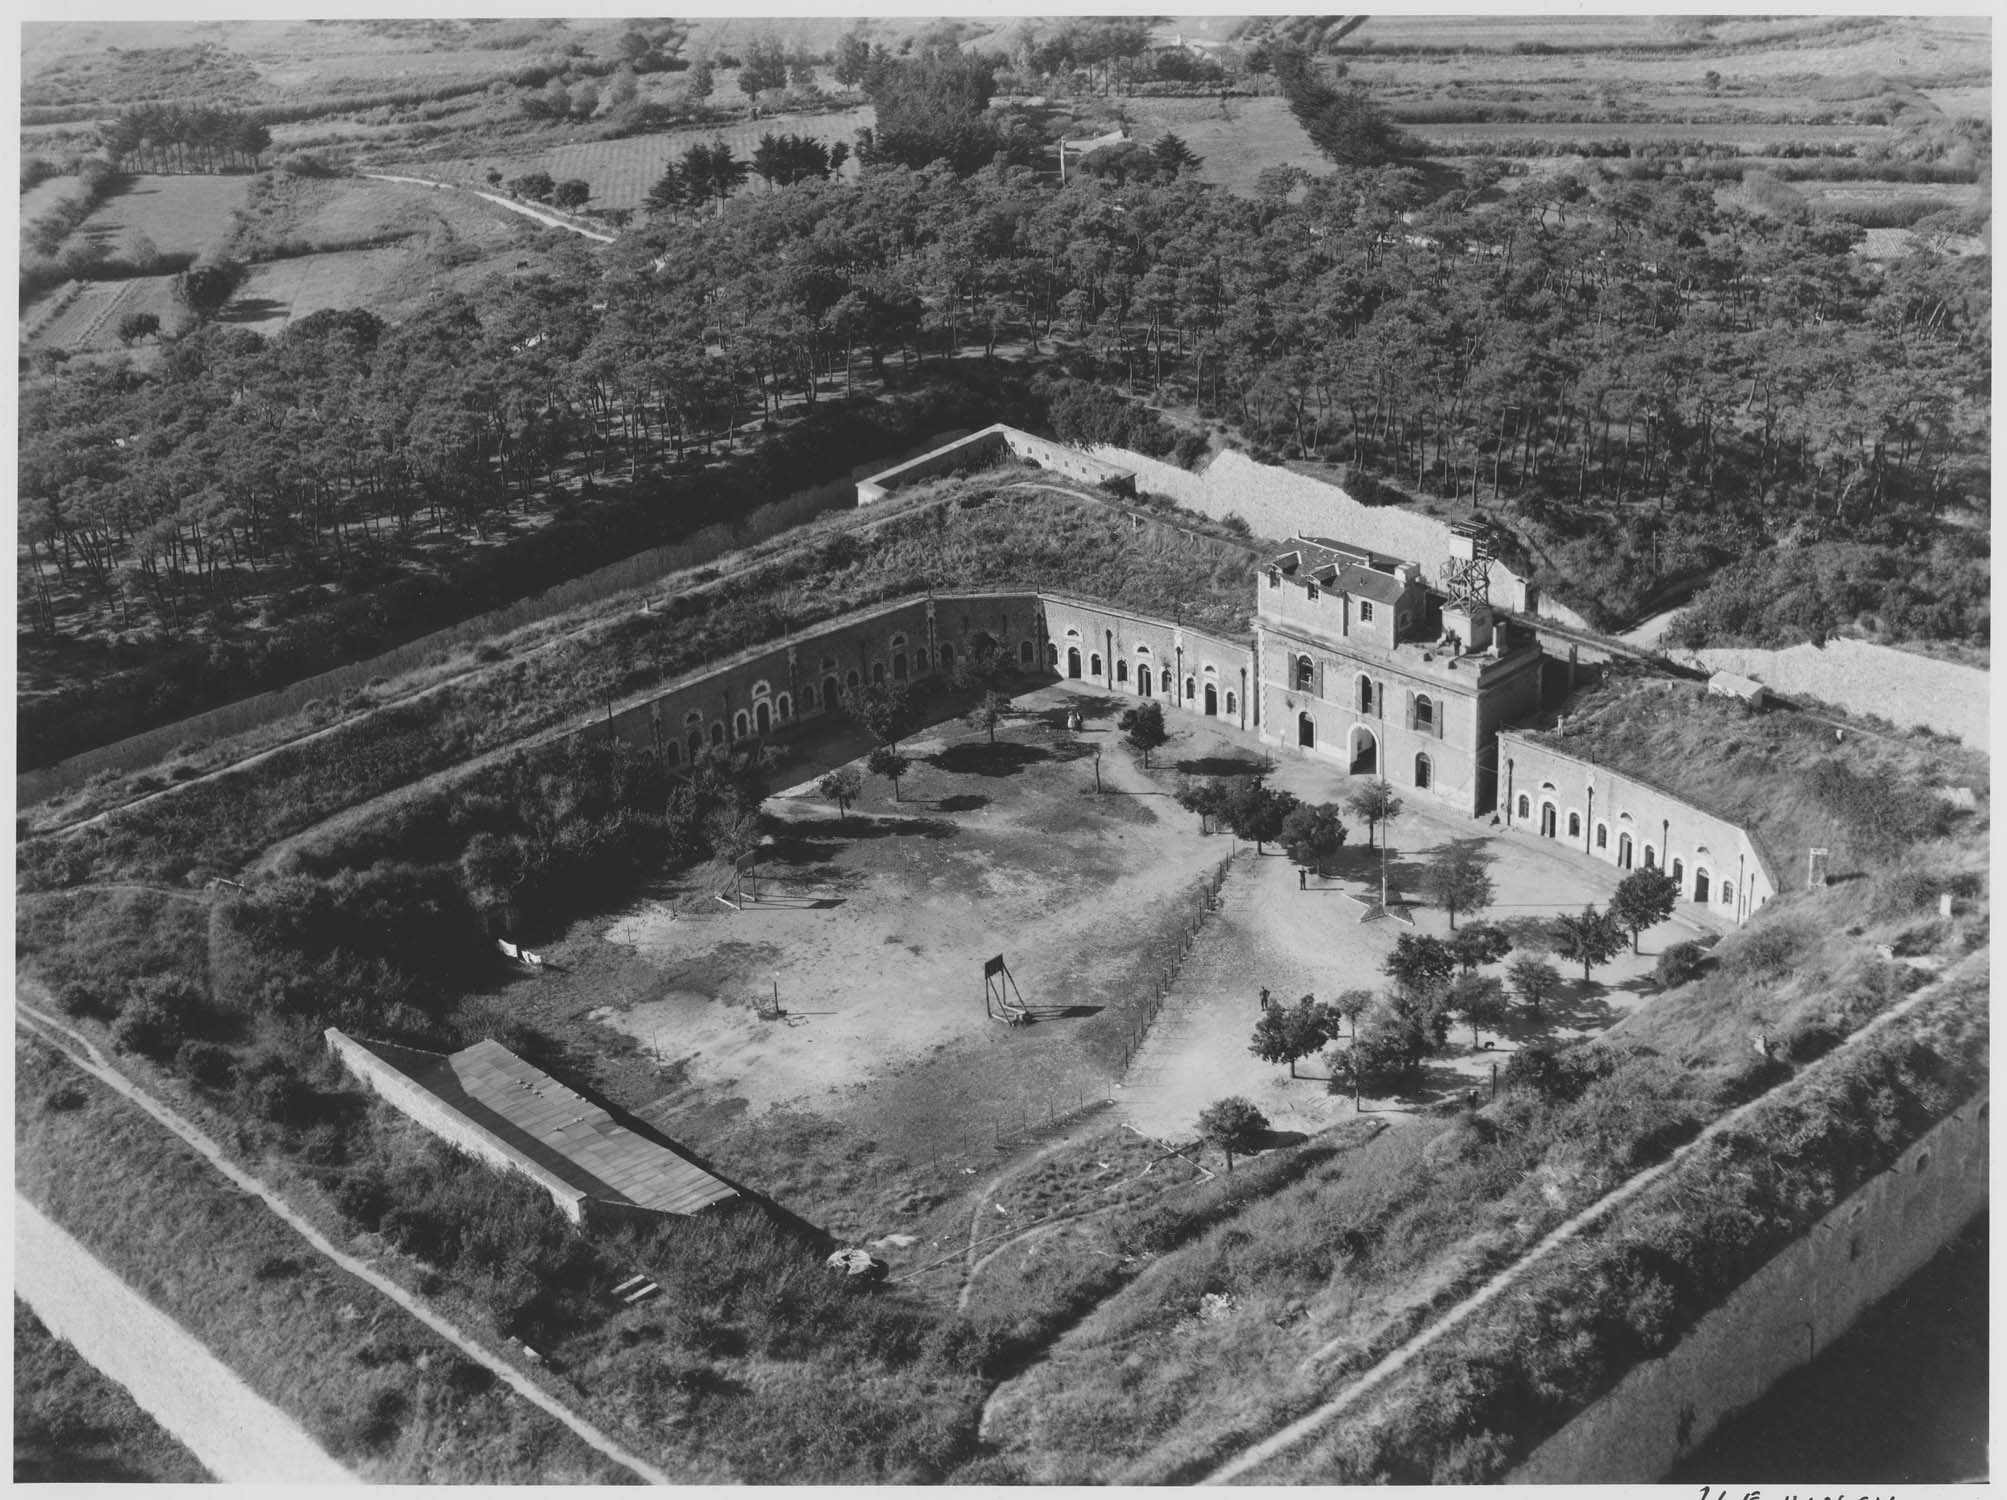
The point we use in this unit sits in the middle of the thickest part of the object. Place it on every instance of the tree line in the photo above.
(184, 138)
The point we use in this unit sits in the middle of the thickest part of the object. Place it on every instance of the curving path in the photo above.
(1393, 1364)
(86, 1056)
(542, 216)
(238, 1436)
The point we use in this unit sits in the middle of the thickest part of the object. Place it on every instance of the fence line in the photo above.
(1149, 1003)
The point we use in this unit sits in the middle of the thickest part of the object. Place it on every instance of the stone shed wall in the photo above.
(428, 1109)
(1781, 1317)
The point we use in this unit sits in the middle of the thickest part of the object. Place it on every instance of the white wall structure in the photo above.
(1919, 692)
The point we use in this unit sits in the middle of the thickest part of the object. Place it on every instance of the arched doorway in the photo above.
(920, 661)
(1072, 661)
(739, 725)
(1679, 874)
(1574, 825)
(850, 678)
(696, 743)
(1547, 820)
(1025, 654)
(1212, 701)
(1700, 885)
(783, 708)
(1051, 655)
(1365, 752)
(899, 665)
(878, 671)
(1143, 681)
(1306, 731)
(1094, 665)
(1191, 688)
(1425, 773)
(762, 716)
(829, 694)
(1623, 851)
(1122, 672)
(717, 731)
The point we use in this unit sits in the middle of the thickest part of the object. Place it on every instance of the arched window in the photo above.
(695, 740)
(1424, 771)
(717, 731)
(1679, 874)
(763, 715)
(1425, 713)
(899, 665)
(740, 727)
(784, 707)
(1026, 653)
(878, 671)
(948, 656)
(1574, 825)
(1051, 655)
(1306, 674)
(850, 678)
(1232, 706)
(919, 659)
(1306, 731)
(1121, 671)
(1191, 687)
(1525, 806)
(1094, 664)
(1365, 694)
(1602, 835)
(1728, 893)
(1651, 858)
(808, 695)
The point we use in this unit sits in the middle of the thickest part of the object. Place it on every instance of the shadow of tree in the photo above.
(1579, 1007)
(1271, 1140)
(823, 841)
(1225, 765)
(982, 759)
(967, 802)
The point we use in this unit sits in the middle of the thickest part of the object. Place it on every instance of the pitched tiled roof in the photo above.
(1367, 584)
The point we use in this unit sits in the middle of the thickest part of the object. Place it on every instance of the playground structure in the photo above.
(744, 886)
(1001, 999)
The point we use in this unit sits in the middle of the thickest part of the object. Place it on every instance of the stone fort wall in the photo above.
(1776, 1321)
(1703, 843)
(1863, 678)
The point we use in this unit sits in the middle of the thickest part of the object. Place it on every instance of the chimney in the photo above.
(1408, 574)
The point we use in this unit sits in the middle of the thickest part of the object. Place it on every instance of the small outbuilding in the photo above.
(1746, 689)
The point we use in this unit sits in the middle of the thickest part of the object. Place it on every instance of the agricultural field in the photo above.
(287, 215)
(90, 312)
(622, 171)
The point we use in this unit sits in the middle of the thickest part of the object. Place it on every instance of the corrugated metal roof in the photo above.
(559, 1129)
(578, 1140)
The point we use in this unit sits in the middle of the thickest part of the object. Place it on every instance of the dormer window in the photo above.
(1312, 587)
(1365, 611)
(1275, 578)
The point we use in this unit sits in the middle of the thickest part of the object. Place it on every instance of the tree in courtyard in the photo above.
(1286, 1034)
(841, 786)
(886, 761)
(1534, 980)
(1256, 811)
(1644, 898)
(1592, 937)
(1387, 1049)
(1312, 833)
(1478, 944)
(1143, 727)
(1457, 878)
(884, 709)
(1207, 798)
(988, 713)
(1233, 1125)
(1477, 1000)
(1373, 804)
(1352, 1004)
(1420, 963)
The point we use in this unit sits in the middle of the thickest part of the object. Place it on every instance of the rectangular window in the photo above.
(1365, 610)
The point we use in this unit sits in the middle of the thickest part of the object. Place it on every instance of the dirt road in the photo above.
(240, 1437)
(554, 221)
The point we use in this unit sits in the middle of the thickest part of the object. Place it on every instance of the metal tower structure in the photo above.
(1466, 572)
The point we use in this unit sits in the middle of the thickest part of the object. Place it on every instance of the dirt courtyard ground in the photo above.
(872, 927)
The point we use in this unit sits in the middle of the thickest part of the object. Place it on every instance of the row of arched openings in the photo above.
(1703, 889)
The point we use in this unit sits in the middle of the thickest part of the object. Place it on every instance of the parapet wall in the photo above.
(404, 1094)
(1863, 678)
(1804, 1299)
(987, 443)
(1280, 502)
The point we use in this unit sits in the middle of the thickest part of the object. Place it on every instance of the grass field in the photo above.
(187, 215)
(621, 172)
(339, 213)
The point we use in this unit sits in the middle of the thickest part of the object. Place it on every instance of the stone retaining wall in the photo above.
(1863, 678)
(1779, 1319)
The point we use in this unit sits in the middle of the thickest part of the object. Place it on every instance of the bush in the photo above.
(208, 1064)
(1680, 964)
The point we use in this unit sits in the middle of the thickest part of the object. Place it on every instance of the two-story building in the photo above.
(1358, 661)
